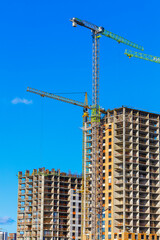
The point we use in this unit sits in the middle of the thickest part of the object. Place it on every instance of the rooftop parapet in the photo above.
(46, 172)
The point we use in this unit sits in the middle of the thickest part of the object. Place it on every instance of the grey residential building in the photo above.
(49, 205)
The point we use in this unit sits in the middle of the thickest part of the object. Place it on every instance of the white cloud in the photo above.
(6, 220)
(21, 100)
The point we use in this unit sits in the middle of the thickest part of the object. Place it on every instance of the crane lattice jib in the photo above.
(120, 39)
(54, 96)
(106, 33)
(147, 57)
(63, 99)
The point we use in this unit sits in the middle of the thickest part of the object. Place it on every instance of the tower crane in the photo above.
(143, 56)
(96, 162)
(86, 107)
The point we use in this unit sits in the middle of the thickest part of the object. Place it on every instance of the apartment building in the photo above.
(49, 205)
(12, 236)
(131, 174)
(3, 235)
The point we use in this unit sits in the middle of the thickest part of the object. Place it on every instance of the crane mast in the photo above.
(95, 120)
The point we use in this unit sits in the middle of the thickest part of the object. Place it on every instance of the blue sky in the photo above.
(39, 48)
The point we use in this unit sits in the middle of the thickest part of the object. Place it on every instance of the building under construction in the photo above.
(49, 205)
(130, 204)
(12, 236)
(120, 173)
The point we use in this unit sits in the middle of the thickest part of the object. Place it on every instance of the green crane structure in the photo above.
(143, 56)
(96, 163)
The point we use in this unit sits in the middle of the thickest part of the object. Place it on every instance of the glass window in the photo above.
(55, 214)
